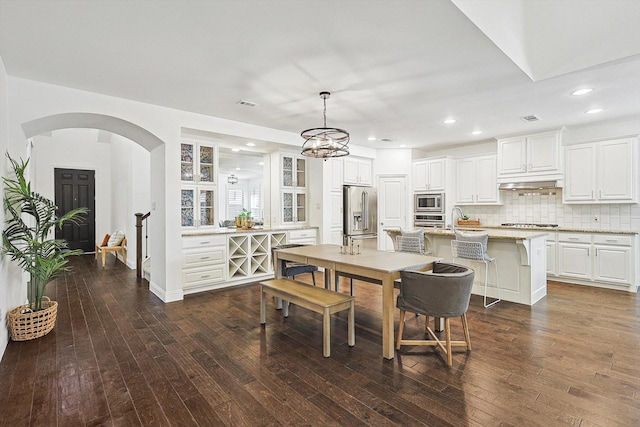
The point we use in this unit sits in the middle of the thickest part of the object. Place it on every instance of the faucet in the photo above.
(453, 217)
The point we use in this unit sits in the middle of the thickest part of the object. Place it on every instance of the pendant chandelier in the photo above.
(232, 179)
(325, 142)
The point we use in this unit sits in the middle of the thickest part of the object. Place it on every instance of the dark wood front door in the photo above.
(76, 188)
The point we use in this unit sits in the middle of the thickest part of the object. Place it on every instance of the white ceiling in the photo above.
(396, 69)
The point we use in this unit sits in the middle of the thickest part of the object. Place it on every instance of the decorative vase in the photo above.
(239, 221)
(25, 324)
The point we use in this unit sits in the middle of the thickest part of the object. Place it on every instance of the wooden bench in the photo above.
(122, 248)
(312, 298)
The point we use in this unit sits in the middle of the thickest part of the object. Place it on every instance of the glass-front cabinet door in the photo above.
(197, 163)
(188, 212)
(206, 217)
(197, 207)
(294, 207)
(294, 171)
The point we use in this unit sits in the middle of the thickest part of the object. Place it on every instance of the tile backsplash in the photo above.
(547, 208)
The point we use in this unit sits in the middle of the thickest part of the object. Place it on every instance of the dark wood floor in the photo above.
(119, 356)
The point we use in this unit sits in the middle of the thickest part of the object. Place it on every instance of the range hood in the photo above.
(530, 185)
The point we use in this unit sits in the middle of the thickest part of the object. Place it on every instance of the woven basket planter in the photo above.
(35, 324)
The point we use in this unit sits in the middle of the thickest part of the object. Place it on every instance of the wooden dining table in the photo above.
(369, 264)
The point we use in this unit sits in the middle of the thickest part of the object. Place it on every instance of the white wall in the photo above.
(130, 183)
(12, 292)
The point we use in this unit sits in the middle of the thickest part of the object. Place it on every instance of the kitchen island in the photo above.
(521, 256)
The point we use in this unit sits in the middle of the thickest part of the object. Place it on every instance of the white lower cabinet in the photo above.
(226, 259)
(303, 237)
(203, 262)
(613, 259)
(551, 255)
(596, 259)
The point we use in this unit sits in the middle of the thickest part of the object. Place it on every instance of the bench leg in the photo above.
(263, 306)
(104, 258)
(352, 326)
(124, 256)
(326, 333)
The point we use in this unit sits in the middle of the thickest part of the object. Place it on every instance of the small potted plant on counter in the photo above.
(464, 220)
(30, 219)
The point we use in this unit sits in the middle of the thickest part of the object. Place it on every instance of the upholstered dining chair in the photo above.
(293, 269)
(443, 293)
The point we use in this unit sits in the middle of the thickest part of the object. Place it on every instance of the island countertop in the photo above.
(494, 233)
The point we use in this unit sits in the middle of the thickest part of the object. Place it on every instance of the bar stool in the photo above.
(473, 247)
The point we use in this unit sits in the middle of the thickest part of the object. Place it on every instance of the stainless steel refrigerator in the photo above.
(360, 216)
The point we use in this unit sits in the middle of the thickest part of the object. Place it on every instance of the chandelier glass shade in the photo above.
(325, 142)
(232, 179)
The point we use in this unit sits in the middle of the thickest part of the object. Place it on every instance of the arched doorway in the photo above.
(145, 139)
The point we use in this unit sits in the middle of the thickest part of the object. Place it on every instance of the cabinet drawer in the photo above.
(604, 239)
(189, 242)
(302, 234)
(208, 275)
(552, 237)
(214, 255)
(574, 237)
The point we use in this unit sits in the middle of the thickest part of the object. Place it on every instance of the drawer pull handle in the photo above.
(611, 240)
(205, 243)
(573, 238)
(204, 257)
(205, 276)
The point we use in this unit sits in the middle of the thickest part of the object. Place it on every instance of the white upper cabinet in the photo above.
(293, 171)
(602, 172)
(429, 174)
(357, 171)
(530, 157)
(197, 163)
(476, 181)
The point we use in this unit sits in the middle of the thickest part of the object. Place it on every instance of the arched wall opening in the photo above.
(145, 139)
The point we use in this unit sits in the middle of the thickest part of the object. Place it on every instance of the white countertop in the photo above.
(229, 230)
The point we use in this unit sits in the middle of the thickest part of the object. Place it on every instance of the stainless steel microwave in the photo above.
(429, 202)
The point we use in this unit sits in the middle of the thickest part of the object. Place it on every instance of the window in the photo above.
(235, 202)
(256, 203)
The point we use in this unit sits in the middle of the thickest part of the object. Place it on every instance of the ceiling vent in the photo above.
(247, 103)
(531, 118)
(386, 140)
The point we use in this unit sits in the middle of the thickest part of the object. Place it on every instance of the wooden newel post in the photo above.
(139, 218)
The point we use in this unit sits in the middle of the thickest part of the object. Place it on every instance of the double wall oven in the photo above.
(429, 210)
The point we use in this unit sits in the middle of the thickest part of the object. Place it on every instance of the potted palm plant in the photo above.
(29, 221)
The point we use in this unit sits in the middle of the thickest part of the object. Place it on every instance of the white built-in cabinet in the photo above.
(429, 174)
(602, 259)
(198, 173)
(357, 171)
(530, 157)
(293, 189)
(332, 201)
(204, 261)
(476, 181)
(602, 172)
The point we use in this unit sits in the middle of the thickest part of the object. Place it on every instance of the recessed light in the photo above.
(581, 92)
(594, 111)
(371, 138)
(238, 169)
(235, 149)
(251, 144)
(449, 121)
(261, 163)
(476, 132)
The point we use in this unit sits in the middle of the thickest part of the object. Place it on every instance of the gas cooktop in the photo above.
(524, 225)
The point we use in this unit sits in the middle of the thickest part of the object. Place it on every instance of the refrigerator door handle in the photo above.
(365, 210)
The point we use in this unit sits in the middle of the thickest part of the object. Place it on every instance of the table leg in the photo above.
(387, 317)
